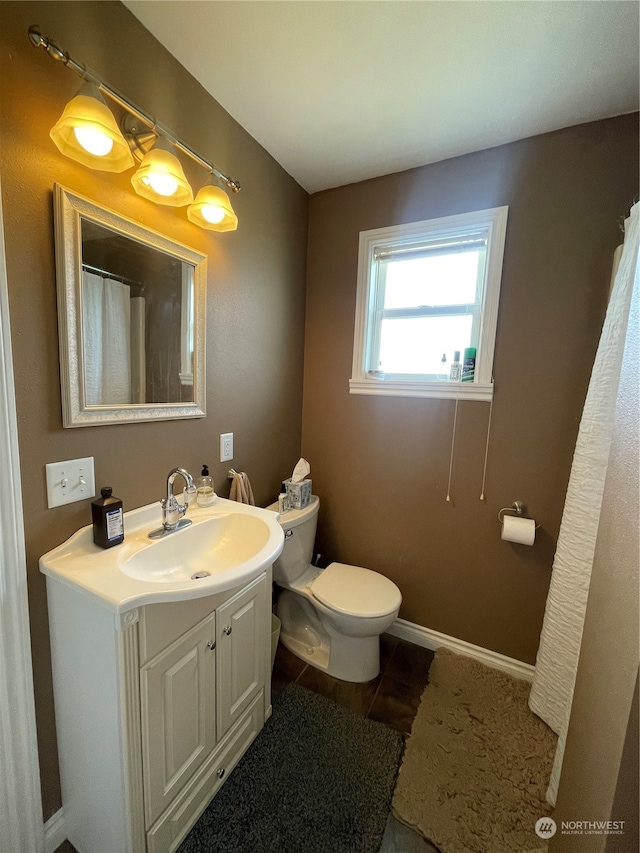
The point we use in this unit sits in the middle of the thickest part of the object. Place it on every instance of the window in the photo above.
(425, 291)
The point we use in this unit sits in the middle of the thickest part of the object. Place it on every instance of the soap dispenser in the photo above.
(205, 495)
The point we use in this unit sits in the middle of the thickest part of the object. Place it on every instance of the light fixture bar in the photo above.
(61, 55)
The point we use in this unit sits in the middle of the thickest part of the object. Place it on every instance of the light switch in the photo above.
(73, 480)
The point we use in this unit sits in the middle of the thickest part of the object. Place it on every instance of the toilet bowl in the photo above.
(332, 618)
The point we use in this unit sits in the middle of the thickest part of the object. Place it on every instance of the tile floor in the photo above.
(391, 698)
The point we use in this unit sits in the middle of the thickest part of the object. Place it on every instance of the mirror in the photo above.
(131, 318)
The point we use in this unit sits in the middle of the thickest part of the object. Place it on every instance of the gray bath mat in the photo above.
(477, 764)
(318, 778)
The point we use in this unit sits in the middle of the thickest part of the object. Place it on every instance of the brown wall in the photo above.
(255, 311)
(380, 465)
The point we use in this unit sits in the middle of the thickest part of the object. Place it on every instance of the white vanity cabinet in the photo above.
(240, 626)
(154, 708)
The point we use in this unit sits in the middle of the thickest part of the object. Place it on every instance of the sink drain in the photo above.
(199, 575)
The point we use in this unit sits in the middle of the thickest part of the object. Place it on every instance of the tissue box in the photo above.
(299, 494)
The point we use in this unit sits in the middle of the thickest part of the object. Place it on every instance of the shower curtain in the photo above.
(557, 661)
(106, 319)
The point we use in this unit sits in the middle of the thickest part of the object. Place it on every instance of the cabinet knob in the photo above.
(211, 644)
(227, 629)
(220, 773)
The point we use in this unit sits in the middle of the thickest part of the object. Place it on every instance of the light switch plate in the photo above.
(226, 446)
(73, 480)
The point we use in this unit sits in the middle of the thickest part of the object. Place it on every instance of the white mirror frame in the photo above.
(69, 209)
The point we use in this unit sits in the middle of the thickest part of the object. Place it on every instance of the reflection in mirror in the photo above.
(131, 312)
(137, 317)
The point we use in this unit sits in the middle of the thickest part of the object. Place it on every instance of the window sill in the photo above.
(435, 390)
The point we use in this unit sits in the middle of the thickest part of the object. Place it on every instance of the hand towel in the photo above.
(241, 490)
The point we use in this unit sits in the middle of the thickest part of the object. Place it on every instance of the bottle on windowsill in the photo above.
(469, 366)
(444, 375)
(455, 372)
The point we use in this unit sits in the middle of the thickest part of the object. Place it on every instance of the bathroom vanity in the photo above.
(159, 689)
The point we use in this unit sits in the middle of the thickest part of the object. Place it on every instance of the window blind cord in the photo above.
(453, 441)
(486, 450)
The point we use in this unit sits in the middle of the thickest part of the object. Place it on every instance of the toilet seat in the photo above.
(355, 591)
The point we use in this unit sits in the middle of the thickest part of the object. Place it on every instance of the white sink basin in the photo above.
(212, 546)
(226, 546)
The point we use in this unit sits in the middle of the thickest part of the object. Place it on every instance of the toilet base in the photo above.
(317, 656)
(355, 659)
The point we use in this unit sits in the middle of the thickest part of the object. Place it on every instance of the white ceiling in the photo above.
(342, 90)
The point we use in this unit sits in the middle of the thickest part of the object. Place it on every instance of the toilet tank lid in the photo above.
(356, 591)
(293, 517)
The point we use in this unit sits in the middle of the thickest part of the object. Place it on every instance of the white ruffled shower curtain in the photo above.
(106, 319)
(557, 660)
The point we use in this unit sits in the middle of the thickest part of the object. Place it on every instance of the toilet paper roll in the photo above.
(521, 530)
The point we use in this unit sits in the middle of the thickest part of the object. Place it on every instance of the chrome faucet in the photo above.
(172, 511)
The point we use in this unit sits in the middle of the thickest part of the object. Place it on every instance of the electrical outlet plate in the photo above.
(226, 447)
(73, 480)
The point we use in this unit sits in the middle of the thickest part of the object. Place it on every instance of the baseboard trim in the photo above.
(429, 639)
(54, 832)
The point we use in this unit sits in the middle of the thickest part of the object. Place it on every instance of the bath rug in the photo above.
(317, 779)
(477, 763)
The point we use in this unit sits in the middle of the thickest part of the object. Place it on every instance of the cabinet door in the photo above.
(178, 705)
(241, 637)
(169, 831)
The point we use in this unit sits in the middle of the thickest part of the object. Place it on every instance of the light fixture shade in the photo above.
(160, 177)
(88, 133)
(212, 210)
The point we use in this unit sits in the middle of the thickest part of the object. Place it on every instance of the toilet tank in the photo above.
(299, 536)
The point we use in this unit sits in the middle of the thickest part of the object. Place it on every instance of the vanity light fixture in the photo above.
(88, 132)
(160, 177)
(212, 210)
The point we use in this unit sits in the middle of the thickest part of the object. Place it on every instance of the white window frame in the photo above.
(494, 222)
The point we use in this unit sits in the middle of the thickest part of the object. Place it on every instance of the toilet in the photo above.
(331, 618)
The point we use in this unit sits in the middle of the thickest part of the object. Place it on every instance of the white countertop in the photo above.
(102, 573)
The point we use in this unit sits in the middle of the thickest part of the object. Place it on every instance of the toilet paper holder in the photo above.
(517, 507)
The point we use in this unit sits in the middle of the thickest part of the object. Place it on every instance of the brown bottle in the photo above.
(108, 522)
